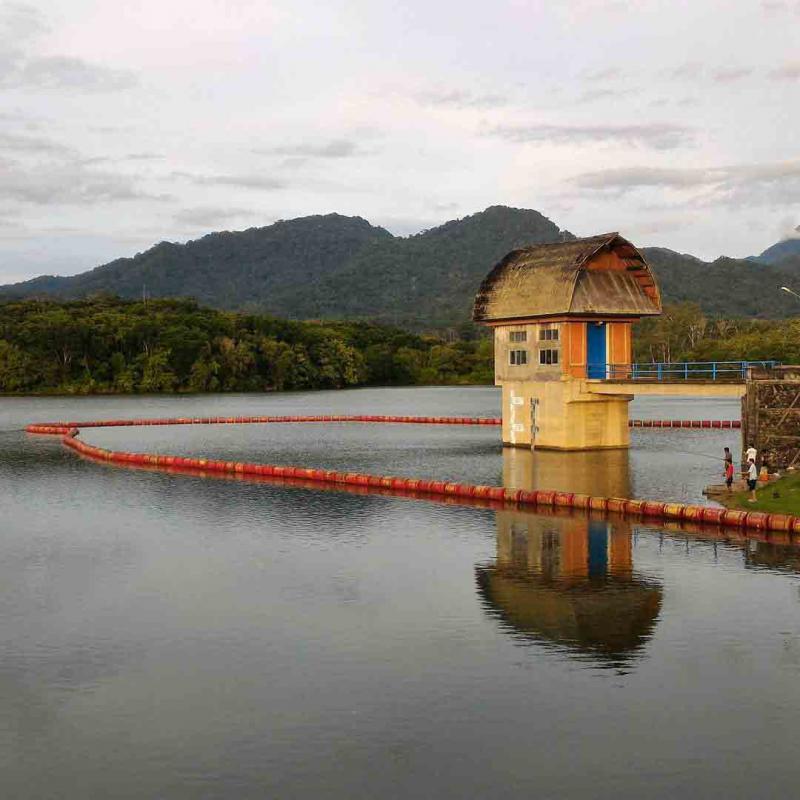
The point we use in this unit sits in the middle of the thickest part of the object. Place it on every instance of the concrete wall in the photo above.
(571, 347)
(563, 415)
(505, 371)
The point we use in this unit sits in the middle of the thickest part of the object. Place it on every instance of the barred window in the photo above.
(548, 356)
(518, 336)
(518, 358)
(548, 334)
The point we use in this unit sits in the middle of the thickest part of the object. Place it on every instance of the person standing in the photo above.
(751, 454)
(752, 479)
(729, 474)
(728, 456)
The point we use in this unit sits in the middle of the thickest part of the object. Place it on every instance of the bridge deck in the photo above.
(690, 388)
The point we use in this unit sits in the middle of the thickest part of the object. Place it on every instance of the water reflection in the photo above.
(570, 582)
(605, 473)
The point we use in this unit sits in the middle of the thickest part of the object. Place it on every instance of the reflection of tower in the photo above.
(597, 472)
(570, 581)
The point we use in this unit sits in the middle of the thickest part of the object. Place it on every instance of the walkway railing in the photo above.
(731, 371)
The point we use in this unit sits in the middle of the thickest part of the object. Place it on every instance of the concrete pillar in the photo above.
(563, 415)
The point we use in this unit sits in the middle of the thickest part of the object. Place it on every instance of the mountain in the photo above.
(727, 286)
(332, 266)
(779, 251)
(229, 270)
(323, 266)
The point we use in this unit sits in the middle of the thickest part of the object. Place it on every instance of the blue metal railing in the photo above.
(678, 371)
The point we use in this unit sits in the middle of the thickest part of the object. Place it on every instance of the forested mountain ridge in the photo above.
(320, 267)
(786, 248)
(335, 267)
(727, 287)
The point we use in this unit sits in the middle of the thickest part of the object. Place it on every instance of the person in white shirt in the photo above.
(751, 454)
(752, 479)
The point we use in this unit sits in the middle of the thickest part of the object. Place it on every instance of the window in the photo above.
(518, 336)
(548, 356)
(548, 334)
(518, 358)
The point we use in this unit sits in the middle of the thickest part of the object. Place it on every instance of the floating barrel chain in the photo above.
(646, 509)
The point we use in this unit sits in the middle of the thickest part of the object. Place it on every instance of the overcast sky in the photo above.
(125, 123)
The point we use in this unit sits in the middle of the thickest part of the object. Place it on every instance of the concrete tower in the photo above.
(562, 316)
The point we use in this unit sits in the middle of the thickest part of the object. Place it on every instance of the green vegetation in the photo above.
(684, 333)
(110, 345)
(778, 497)
(727, 287)
(322, 267)
(337, 267)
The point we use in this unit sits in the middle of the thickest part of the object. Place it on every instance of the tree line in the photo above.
(109, 345)
(685, 333)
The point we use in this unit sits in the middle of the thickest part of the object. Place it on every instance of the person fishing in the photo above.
(728, 455)
(729, 473)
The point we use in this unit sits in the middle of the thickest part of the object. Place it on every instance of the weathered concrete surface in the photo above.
(563, 415)
(678, 388)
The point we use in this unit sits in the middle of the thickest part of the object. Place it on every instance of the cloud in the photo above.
(262, 182)
(20, 22)
(598, 93)
(731, 74)
(66, 182)
(779, 7)
(336, 148)
(143, 157)
(770, 184)
(21, 143)
(20, 25)
(603, 74)
(210, 216)
(688, 70)
(461, 99)
(655, 135)
(67, 72)
(787, 72)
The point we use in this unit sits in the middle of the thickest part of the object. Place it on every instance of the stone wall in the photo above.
(771, 421)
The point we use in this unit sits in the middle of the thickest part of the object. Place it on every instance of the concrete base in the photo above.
(563, 415)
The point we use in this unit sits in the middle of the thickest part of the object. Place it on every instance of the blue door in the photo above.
(595, 350)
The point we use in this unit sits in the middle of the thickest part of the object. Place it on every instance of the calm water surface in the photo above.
(165, 636)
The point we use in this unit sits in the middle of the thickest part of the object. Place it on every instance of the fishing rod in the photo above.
(693, 453)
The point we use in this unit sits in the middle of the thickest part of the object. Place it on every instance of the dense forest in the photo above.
(338, 267)
(685, 333)
(106, 344)
(110, 345)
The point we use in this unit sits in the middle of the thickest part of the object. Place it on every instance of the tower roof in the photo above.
(599, 275)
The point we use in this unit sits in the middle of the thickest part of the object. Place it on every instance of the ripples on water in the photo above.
(180, 637)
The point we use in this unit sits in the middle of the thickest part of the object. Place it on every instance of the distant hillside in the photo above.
(258, 267)
(324, 266)
(329, 267)
(786, 248)
(727, 287)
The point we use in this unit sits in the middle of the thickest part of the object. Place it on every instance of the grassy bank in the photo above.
(777, 497)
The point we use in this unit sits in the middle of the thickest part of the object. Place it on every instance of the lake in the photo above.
(169, 636)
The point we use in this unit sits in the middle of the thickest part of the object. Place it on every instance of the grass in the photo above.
(777, 497)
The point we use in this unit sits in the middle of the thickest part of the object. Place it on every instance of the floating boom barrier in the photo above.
(648, 509)
(121, 423)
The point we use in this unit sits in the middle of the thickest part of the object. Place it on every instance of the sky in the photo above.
(123, 124)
